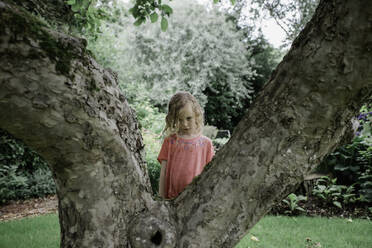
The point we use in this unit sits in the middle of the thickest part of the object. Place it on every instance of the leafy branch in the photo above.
(152, 9)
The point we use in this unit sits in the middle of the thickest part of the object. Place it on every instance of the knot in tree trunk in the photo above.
(153, 229)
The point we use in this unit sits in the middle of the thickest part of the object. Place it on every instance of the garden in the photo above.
(331, 208)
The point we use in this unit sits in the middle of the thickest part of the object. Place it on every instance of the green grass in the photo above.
(33, 232)
(291, 232)
(271, 231)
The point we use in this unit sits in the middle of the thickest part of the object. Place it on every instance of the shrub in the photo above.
(152, 124)
(41, 183)
(17, 184)
(23, 173)
(292, 202)
(152, 148)
(332, 193)
(351, 164)
(12, 184)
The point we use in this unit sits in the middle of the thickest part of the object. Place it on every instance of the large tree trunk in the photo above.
(66, 107)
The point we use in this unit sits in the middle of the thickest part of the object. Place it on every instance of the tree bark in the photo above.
(61, 103)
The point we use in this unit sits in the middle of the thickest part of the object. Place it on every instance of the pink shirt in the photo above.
(186, 159)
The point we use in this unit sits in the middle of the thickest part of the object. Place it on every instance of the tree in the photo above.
(290, 16)
(61, 103)
(180, 59)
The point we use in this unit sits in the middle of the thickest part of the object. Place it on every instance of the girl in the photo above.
(185, 151)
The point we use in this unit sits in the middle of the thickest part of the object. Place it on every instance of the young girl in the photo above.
(185, 151)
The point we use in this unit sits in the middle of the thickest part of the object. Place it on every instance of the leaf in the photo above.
(300, 209)
(167, 9)
(86, 3)
(254, 238)
(164, 24)
(292, 197)
(139, 21)
(154, 17)
(75, 7)
(337, 204)
(233, 2)
(302, 198)
(215, 1)
(71, 2)
(341, 167)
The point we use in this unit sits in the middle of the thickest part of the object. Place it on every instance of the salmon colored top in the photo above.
(186, 159)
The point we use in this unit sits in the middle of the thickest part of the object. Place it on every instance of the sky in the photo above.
(273, 33)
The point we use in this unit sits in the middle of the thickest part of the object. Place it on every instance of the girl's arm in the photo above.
(162, 178)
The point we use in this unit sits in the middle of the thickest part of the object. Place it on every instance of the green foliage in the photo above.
(89, 14)
(266, 58)
(152, 148)
(41, 183)
(365, 124)
(292, 202)
(351, 164)
(150, 9)
(16, 184)
(201, 54)
(152, 124)
(23, 173)
(14, 152)
(12, 184)
(148, 116)
(327, 190)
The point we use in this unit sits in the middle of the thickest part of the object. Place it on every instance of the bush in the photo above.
(327, 190)
(23, 173)
(152, 124)
(152, 147)
(41, 183)
(292, 202)
(351, 164)
(12, 185)
(17, 184)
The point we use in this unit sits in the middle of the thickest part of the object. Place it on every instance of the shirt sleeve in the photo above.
(210, 152)
(163, 154)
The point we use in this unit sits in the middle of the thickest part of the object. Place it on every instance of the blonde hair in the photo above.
(177, 102)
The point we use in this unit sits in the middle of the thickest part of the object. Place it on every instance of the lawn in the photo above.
(270, 232)
(309, 232)
(33, 232)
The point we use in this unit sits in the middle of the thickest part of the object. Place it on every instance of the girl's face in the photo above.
(187, 121)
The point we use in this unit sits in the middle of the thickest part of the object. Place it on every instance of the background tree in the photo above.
(201, 52)
(290, 16)
(59, 101)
